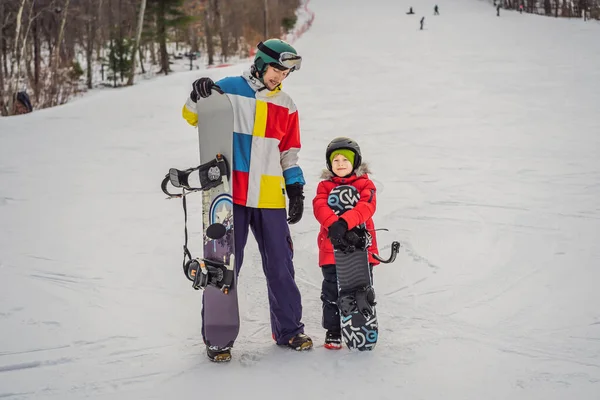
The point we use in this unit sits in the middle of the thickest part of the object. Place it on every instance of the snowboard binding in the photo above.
(361, 300)
(211, 174)
(204, 272)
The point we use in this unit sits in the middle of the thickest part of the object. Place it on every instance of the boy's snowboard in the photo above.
(356, 298)
(215, 134)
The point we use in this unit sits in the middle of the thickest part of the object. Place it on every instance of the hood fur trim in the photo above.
(361, 170)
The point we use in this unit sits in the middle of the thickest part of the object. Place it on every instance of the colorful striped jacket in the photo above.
(266, 141)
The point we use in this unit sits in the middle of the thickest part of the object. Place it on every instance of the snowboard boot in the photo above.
(300, 342)
(218, 354)
(333, 340)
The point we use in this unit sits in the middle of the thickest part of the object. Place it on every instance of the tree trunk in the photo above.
(141, 60)
(37, 59)
(89, 50)
(222, 33)
(16, 57)
(210, 47)
(266, 17)
(61, 34)
(136, 43)
(161, 27)
(3, 110)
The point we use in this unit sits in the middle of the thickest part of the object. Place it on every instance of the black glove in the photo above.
(356, 239)
(202, 88)
(336, 233)
(353, 238)
(295, 193)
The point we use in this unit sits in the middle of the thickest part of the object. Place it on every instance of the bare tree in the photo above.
(208, 31)
(136, 43)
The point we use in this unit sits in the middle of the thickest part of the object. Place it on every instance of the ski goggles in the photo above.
(286, 59)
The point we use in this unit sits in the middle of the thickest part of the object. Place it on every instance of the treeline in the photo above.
(587, 9)
(51, 49)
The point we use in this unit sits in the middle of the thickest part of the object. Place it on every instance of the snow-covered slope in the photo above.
(482, 133)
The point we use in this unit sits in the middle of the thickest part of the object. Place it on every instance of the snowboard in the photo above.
(220, 301)
(356, 297)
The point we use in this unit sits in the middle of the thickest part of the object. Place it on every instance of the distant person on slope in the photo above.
(265, 167)
(410, 11)
(344, 167)
(436, 10)
(422, 22)
(498, 10)
(21, 104)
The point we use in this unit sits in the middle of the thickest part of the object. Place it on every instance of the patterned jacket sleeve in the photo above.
(364, 209)
(323, 213)
(189, 112)
(289, 146)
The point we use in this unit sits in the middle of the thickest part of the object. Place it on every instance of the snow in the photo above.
(482, 133)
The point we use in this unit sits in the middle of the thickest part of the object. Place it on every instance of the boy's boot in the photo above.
(333, 340)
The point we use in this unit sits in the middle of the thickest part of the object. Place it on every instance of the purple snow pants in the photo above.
(272, 233)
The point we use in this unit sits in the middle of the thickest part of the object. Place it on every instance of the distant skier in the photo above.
(422, 23)
(344, 167)
(436, 10)
(521, 8)
(498, 10)
(410, 11)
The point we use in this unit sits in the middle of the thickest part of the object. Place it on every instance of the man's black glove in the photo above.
(336, 233)
(202, 88)
(295, 193)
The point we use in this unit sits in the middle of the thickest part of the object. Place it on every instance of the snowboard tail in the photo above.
(356, 300)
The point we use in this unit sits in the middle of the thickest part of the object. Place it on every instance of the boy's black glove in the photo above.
(295, 193)
(353, 238)
(336, 233)
(356, 239)
(202, 88)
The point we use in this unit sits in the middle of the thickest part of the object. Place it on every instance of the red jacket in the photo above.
(361, 213)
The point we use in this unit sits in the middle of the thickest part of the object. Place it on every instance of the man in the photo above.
(266, 143)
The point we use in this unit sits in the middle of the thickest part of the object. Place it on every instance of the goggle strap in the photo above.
(268, 51)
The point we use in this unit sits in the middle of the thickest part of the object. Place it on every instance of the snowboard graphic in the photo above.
(356, 297)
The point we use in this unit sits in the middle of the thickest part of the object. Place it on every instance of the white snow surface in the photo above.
(484, 140)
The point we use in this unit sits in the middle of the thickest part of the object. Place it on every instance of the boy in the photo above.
(344, 167)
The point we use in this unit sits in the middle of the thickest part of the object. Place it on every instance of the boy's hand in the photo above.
(337, 230)
(355, 240)
(295, 193)
(202, 88)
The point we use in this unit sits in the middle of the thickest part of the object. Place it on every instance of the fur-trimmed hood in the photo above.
(362, 169)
